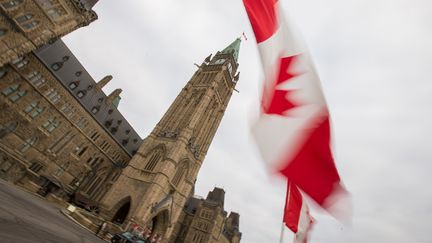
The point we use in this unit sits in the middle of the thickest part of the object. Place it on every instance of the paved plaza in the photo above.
(28, 218)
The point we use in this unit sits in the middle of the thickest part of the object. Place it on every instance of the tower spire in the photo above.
(233, 48)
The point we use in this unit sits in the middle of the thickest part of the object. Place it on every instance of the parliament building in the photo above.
(63, 138)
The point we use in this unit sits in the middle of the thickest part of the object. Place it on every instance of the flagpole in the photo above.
(282, 233)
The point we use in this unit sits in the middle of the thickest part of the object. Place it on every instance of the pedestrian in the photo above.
(102, 228)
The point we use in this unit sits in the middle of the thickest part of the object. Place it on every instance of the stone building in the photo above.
(28, 24)
(61, 136)
(167, 163)
(205, 220)
(59, 133)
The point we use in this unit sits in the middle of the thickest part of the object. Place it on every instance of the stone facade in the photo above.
(53, 141)
(28, 24)
(205, 220)
(167, 163)
(62, 137)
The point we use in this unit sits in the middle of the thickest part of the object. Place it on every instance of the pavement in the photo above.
(27, 218)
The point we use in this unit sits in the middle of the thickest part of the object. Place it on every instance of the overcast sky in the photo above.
(374, 58)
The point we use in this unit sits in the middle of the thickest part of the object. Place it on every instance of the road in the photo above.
(28, 218)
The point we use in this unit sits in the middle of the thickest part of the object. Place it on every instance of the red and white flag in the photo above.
(296, 214)
(293, 129)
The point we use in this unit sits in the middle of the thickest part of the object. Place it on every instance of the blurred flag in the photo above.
(296, 214)
(293, 130)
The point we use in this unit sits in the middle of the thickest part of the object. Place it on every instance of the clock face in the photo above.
(220, 61)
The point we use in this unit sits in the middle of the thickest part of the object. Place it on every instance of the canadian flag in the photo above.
(293, 129)
(296, 214)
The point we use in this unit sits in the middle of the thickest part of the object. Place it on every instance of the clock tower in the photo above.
(152, 190)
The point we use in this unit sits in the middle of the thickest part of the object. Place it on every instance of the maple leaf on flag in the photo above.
(280, 102)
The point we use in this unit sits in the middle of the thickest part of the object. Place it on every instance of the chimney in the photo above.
(114, 97)
(104, 81)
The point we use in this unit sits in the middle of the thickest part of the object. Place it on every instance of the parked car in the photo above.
(127, 237)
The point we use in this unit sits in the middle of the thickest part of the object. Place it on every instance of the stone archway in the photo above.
(122, 212)
(159, 224)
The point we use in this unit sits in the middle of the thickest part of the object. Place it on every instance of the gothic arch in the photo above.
(182, 170)
(160, 222)
(154, 156)
(121, 210)
(95, 183)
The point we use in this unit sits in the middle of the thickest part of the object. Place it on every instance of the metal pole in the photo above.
(282, 233)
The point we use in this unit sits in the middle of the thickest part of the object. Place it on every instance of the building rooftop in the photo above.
(68, 70)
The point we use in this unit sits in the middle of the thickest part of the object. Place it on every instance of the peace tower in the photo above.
(153, 189)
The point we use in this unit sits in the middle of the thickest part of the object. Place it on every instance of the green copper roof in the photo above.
(233, 48)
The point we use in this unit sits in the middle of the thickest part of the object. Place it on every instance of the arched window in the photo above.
(5, 130)
(181, 171)
(28, 143)
(155, 157)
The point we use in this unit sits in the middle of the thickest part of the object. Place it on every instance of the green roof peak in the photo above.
(233, 48)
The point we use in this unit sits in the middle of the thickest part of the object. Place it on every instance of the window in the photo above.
(82, 123)
(51, 124)
(53, 8)
(56, 66)
(10, 89)
(230, 68)
(20, 62)
(154, 158)
(52, 95)
(95, 109)
(64, 167)
(56, 12)
(30, 25)
(81, 150)
(28, 143)
(13, 92)
(33, 109)
(108, 123)
(181, 170)
(47, 3)
(3, 32)
(36, 78)
(36, 167)
(68, 109)
(206, 214)
(81, 94)
(73, 85)
(5, 130)
(219, 61)
(26, 21)
(12, 4)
